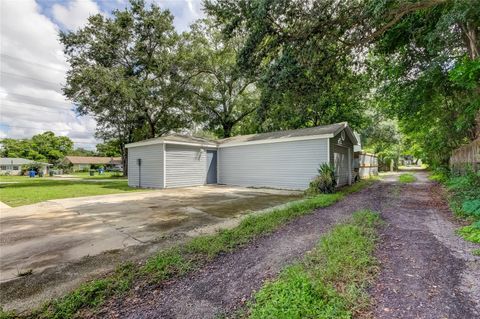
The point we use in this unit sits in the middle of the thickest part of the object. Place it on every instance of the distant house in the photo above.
(13, 165)
(79, 163)
(284, 159)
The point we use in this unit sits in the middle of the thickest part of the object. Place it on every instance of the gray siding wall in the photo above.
(335, 146)
(151, 168)
(285, 165)
(334, 141)
(186, 166)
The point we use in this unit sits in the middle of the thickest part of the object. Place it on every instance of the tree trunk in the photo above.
(124, 160)
(227, 129)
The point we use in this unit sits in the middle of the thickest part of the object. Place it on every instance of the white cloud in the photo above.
(31, 76)
(184, 11)
(33, 66)
(75, 14)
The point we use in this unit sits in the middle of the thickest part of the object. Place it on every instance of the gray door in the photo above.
(341, 165)
(211, 167)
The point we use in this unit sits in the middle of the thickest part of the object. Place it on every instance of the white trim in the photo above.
(143, 143)
(328, 153)
(191, 144)
(349, 166)
(164, 166)
(277, 140)
(154, 142)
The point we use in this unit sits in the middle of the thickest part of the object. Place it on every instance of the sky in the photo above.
(33, 67)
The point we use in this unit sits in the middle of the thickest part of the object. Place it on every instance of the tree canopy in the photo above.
(404, 73)
(44, 147)
(125, 71)
(330, 60)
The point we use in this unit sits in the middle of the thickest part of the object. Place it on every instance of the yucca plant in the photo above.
(324, 182)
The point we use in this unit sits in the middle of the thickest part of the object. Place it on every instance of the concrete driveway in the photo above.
(56, 232)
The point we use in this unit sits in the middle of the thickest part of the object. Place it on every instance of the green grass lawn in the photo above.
(331, 281)
(406, 178)
(105, 175)
(22, 190)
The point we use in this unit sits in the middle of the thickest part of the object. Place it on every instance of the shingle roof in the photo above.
(310, 131)
(304, 132)
(17, 161)
(96, 160)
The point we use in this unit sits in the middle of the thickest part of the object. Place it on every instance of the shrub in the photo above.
(325, 182)
(471, 233)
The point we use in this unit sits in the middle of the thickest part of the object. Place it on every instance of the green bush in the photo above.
(472, 207)
(471, 232)
(324, 182)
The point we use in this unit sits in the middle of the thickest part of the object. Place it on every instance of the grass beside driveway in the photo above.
(331, 281)
(406, 178)
(22, 190)
(184, 258)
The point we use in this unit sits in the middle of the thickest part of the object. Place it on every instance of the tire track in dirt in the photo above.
(226, 283)
(427, 271)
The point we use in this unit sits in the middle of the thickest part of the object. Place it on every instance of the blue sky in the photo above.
(32, 69)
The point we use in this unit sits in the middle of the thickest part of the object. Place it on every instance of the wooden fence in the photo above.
(366, 163)
(465, 157)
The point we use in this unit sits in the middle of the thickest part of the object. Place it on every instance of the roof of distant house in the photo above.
(302, 133)
(92, 160)
(18, 161)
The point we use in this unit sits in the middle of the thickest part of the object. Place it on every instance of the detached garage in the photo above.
(284, 159)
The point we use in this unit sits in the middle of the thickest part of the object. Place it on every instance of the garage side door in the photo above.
(340, 158)
(285, 165)
(186, 166)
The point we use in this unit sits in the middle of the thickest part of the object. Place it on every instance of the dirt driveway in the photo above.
(427, 271)
(52, 233)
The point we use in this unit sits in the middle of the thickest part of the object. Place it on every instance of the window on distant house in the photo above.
(15, 168)
(3, 167)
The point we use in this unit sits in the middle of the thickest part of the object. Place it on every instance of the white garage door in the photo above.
(341, 165)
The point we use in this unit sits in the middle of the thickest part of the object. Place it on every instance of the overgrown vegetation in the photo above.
(181, 259)
(324, 182)
(464, 199)
(406, 178)
(331, 281)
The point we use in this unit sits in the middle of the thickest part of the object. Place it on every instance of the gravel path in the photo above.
(427, 272)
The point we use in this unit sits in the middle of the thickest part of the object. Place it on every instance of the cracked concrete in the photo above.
(56, 232)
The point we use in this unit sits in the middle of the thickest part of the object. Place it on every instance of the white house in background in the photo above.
(13, 165)
(79, 163)
(283, 159)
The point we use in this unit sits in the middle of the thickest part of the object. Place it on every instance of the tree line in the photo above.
(405, 74)
(49, 148)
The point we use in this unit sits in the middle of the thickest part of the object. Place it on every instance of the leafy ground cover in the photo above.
(464, 199)
(406, 178)
(22, 190)
(184, 258)
(331, 281)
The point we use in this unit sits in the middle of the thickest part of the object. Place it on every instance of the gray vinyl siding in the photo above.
(284, 165)
(341, 165)
(186, 166)
(334, 141)
(151, 168)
